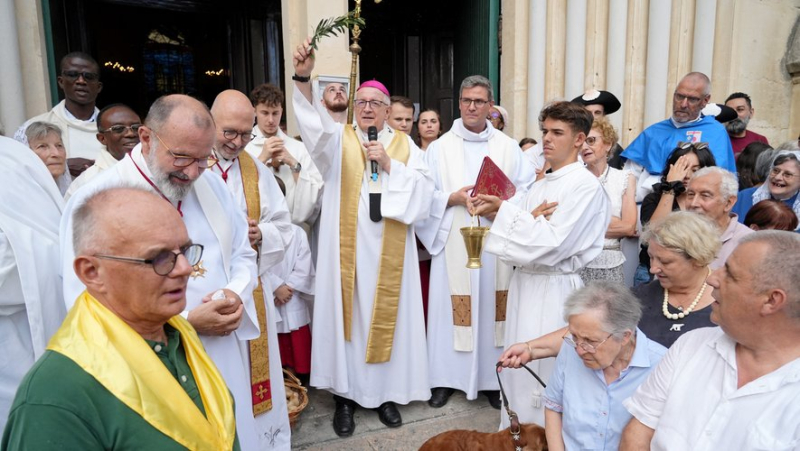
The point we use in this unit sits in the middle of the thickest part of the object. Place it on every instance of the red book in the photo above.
(491, 180)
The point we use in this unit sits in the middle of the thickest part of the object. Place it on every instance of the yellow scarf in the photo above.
(119, 358)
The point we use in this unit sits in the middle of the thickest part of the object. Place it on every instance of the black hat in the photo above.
(722, 113)
(595, 97)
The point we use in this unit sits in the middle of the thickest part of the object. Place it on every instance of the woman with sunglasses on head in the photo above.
(670, 194)
(621, 189)
(783, 184)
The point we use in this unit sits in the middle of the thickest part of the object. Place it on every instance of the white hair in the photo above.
(728, 185)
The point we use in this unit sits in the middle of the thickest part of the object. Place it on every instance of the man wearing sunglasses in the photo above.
(125, 369)
(176, 148)
(76, 115)
(118, 132)
(649, 151)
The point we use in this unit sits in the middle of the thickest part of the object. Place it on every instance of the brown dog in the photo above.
(532, 438)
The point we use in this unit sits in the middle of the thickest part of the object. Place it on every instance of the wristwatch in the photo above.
(296, 168)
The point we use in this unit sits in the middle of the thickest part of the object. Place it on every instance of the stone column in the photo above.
(514, 67)
(635, 58)
(657, 66)
(537, 54)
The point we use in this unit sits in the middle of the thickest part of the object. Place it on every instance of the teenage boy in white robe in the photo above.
(554, 232)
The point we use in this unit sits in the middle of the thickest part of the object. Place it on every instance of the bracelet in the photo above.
(301, 79)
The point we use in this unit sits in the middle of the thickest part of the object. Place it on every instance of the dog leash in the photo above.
(515, 429)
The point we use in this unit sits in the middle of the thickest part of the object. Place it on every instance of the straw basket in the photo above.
(293, 385)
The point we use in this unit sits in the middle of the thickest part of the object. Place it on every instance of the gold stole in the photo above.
(121, 361)
(390, 271)
(260, 388)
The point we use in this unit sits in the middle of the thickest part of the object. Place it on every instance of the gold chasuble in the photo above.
(390, 271)
(119, 358)
(260, 388)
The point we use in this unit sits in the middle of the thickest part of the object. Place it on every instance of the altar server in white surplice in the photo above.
(31, 307)
(287, 158)
(556, 230)
(175, 149)
(463, 347)
(368, 342)
(258, 196)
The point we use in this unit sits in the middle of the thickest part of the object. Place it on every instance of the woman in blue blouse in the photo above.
(783, 184)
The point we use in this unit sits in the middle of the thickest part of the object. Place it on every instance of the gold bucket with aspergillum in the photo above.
(473, 240)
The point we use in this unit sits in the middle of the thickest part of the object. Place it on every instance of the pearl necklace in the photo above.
(681, 315)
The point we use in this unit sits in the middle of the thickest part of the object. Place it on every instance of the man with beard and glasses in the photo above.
(648, 152)
(176, 149)
(118, 132)
(334, 97)
(737, 128)
(76, 115)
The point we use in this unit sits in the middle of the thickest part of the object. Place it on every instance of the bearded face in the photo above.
(737, 126)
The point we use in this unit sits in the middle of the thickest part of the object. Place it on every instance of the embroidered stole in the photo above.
(121, 361)
(260, 388)
(451, 164)
(390, 269)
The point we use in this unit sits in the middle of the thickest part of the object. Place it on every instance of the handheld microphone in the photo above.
(372, 135)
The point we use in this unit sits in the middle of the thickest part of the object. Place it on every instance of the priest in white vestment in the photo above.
(368, 342)
(462, 354)
(554, 232)
(79, 79)
(118, 132)
(31, 307)
(270, 234)
(286, 157)
(175, 148)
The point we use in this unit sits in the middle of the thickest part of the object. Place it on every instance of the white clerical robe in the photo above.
(547, 255)
(31, 309)
(214, 220)
(336, 364)
(79, 136)
(104, 161)
(297, 271)
(474, 370)
(303, 195)
(276, 231)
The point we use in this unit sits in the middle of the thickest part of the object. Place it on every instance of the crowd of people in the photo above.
(159, 275)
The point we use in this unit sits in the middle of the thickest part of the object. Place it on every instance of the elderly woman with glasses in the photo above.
(621, 189)
(783, 184)
(603, 359)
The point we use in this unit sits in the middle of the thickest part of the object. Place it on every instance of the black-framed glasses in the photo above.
(164, 262)
(691, 100)
(374, 104)
(591, 349)
(182, 161)
(232, 134)
(73, 75)
(120, 129)
(697, 146)
(479, 103)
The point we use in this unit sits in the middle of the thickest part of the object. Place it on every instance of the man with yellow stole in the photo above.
(172, 161)
(368, 337)
(125, 370)
(257, 194)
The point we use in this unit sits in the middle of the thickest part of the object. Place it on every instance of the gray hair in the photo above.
(702, 77)
(728, 185)
(789, 145)
(764, 163)
(86, 219)
(477, 80)
(161, 110)
(621, 309)
(689, 234)
(780, 267)
(40, 130)
(786, 155)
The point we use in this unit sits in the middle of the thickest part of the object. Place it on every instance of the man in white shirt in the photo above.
(736, 386)
(401, 114)
(287, 158)
(76, 115)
